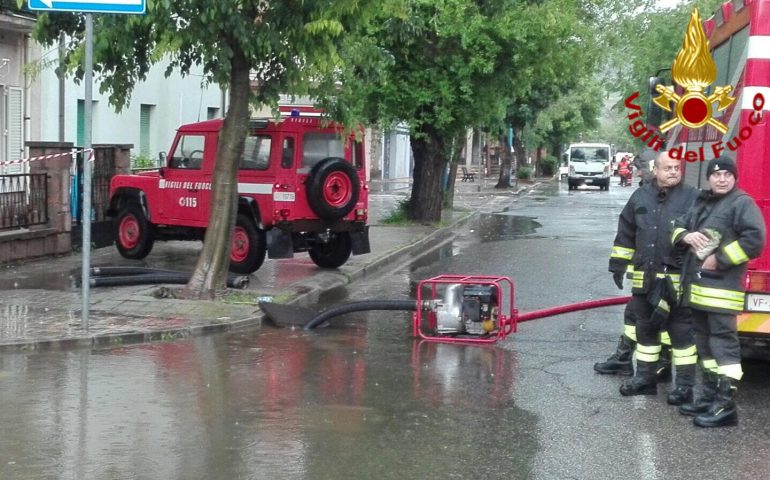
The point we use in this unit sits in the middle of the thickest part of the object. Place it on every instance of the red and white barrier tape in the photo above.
(53, 155)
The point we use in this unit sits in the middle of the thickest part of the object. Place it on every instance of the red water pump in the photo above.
(478, 309)
(449, 308)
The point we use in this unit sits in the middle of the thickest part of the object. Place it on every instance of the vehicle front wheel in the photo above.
(332, 254)
(133, 232)
(248, 248)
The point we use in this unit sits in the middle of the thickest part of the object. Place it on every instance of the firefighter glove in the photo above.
(618, 278)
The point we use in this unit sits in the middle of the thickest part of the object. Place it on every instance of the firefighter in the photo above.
(722, 232)
(619, 363)
(642, 243)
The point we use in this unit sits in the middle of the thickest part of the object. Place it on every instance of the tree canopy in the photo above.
(257, 48)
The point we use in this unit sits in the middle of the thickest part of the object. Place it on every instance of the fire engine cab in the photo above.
(301, 187)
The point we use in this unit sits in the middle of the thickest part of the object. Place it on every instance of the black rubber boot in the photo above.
(702, 403)
(619, 362)
(685, 379)
(663, 368)
(642, 383)
(723, 412)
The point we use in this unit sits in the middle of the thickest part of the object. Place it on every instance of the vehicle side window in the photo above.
(188, 153)
(287, 154)
(256, 153)
(357, 149)
(317, 146)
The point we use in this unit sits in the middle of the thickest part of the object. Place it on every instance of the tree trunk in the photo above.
(476, 150)
(210, 274)
(520, 152)
(429, 164)
(506, 168)
(449, 193)
(455, 160)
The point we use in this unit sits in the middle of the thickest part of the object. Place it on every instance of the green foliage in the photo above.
(143, 161)
(399, 215)
(645, 42)
(548, 165)
(291, 46)
(524, 173)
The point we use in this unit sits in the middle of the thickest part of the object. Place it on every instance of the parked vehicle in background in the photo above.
(738, 35)
(589, 164)
(301, 187)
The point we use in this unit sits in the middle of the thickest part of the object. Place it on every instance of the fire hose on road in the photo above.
(448, 308)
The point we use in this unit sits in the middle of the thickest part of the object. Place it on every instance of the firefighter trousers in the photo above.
(716, 337)
(629, 323)
(650, 328)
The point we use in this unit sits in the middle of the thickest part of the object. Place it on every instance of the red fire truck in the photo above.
(301, 188)
(739, 38)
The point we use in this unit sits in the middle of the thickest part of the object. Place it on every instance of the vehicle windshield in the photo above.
(589, 154)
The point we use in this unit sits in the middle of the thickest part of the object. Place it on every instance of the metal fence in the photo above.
(23, 200)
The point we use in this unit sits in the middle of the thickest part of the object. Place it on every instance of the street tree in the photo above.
(645, 41)
(560, 61)
(258, 49)
(572, 113)
(453, 66)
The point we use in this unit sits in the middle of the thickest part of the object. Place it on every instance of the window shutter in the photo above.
(144, 129)
(15, 128)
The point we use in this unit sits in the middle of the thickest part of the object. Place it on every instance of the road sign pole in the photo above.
(85, 283)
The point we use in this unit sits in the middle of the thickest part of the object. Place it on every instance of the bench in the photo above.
(468, 176)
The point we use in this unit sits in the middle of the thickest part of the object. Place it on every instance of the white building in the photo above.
(19, 92)
(158, 106)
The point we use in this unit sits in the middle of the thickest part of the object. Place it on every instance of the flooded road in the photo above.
(363, 399)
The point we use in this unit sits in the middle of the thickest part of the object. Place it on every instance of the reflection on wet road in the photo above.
(363, 399)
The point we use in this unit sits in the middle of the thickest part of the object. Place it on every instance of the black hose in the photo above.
(116, 271)
(233, 281)
(358, 307)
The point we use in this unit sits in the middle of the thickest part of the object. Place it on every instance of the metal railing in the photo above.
(23, 200)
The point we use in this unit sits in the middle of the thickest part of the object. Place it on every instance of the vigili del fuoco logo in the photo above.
(694, 70)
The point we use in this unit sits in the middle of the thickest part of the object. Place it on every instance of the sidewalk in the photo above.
(40, 306)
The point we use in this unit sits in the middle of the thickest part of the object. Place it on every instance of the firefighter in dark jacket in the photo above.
(723, 231)
(642, 242)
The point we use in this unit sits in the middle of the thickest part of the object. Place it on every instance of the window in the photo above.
(145, 119)
(317, 146)
(81, 126)
(188, 152)
(211, 113)
(358, 155)
(256, 153)
(287, 155)
(584, 154)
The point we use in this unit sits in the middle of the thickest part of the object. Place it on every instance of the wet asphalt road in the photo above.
(362, 399)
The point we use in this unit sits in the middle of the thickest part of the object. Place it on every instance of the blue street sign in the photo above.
(86, 6)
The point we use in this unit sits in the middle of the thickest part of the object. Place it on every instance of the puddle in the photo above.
(59, 281)
(495, 227)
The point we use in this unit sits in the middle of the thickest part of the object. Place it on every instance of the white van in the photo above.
(589, 164)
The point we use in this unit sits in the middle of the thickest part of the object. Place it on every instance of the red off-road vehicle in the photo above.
(301, 187)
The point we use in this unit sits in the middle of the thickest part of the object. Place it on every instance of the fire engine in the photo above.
(739, 38)
(301, 187)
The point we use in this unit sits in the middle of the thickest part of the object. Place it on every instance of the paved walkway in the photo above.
(40, 304)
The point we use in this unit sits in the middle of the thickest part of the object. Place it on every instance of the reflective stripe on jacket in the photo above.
(642, 240)
(738, 220)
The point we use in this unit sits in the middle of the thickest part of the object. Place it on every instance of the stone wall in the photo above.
(54, 237)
